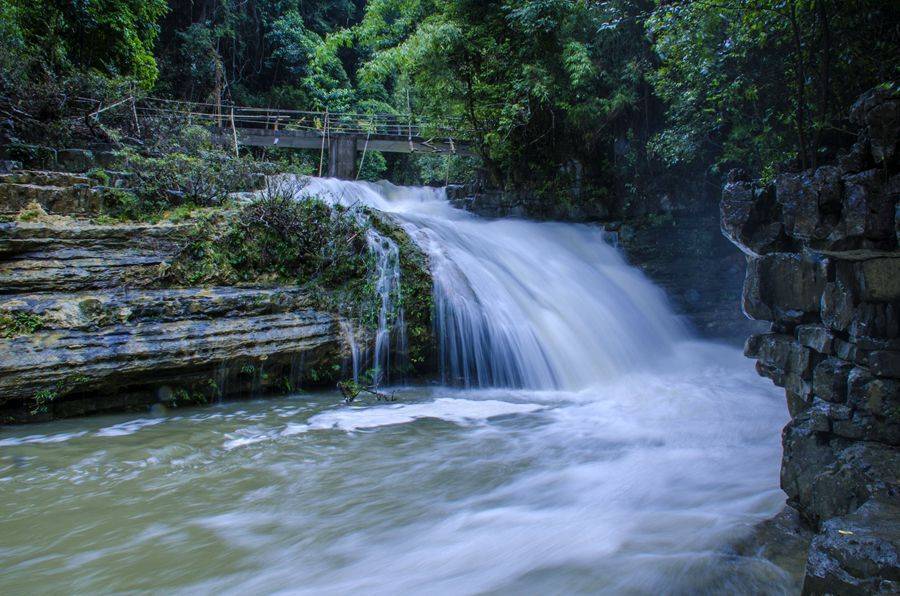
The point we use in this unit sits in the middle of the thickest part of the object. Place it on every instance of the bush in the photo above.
(276, 238)
(304, 240)
(176, 180)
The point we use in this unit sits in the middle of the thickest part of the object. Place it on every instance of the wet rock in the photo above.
(750, 218)
(144, 340)
(885, 363)
(783, 541)
(877, 114)
(879, 279)
(817, 337)
(825, 475)
(857, 553)
(830, 380)
(867, 212)
(783, 287)
(841, 462)
(809, 202)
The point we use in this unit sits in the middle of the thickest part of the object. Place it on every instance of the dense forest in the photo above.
(616, 95)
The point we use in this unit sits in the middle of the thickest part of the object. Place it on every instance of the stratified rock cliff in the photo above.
(823, 265)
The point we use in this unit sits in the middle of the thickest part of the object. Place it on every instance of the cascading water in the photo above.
(387, 286)
(589, 446)
(517, 303)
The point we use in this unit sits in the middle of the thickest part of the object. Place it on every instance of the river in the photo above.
(580, 440)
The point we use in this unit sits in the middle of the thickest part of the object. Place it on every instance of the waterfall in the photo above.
(387, 286)
(517, 303)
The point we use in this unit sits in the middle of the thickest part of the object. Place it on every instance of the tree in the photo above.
(114, 37)
(761, 82)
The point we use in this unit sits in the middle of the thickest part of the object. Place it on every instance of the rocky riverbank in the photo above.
(823, 266)
(101, 314)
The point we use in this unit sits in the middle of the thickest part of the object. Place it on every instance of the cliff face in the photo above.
(823, 266)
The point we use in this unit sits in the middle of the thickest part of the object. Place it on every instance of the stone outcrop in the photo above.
(69, 255)
(53, 192)
(147, 343)
(88, 322)
(823, 266)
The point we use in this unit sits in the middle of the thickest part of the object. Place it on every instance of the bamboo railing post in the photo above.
(234, 133)
(322, 151)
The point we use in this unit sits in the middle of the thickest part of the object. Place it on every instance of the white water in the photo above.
(518, 303)
(627, 461)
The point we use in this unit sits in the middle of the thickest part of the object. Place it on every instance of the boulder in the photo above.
(751, 219)
(877, 114)
(830, 380)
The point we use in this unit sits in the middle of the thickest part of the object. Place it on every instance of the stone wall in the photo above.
(823, 266)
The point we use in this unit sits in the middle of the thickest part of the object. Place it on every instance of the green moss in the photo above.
(279, 240)
(183, 396)
(416, 294)
(98, 175)
(31, 212)
(19, 323)
(42, 399)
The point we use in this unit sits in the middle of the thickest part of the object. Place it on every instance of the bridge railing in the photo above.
(324, 123)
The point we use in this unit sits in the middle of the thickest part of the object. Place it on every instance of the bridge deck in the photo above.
(305, 139)
(345, 134)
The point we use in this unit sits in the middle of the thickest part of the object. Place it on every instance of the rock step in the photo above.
(43, 178)
(69, 160)
(22, 237)
(74, 256)
(45, 272)
(62, 200)
(90, 310)
(154, 353)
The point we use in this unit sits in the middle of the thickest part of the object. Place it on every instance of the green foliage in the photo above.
(304, 240)
(757, 83)
(279, 238)
(203, 179)
(542, 82)
(42, 400)
(176, 183)
(373, 167)
(19, 323)
(184, 396)
(608, 97)
(114, 37)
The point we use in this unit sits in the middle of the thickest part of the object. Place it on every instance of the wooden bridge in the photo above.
(344, 134)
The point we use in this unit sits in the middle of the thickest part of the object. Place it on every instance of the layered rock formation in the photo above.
(89, 326)
(91, 320)
(823, 266)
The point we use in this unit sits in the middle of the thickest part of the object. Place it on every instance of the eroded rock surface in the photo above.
(823, 266)
(89, 325)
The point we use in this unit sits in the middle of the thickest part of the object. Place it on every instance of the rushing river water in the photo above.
(590, 446)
